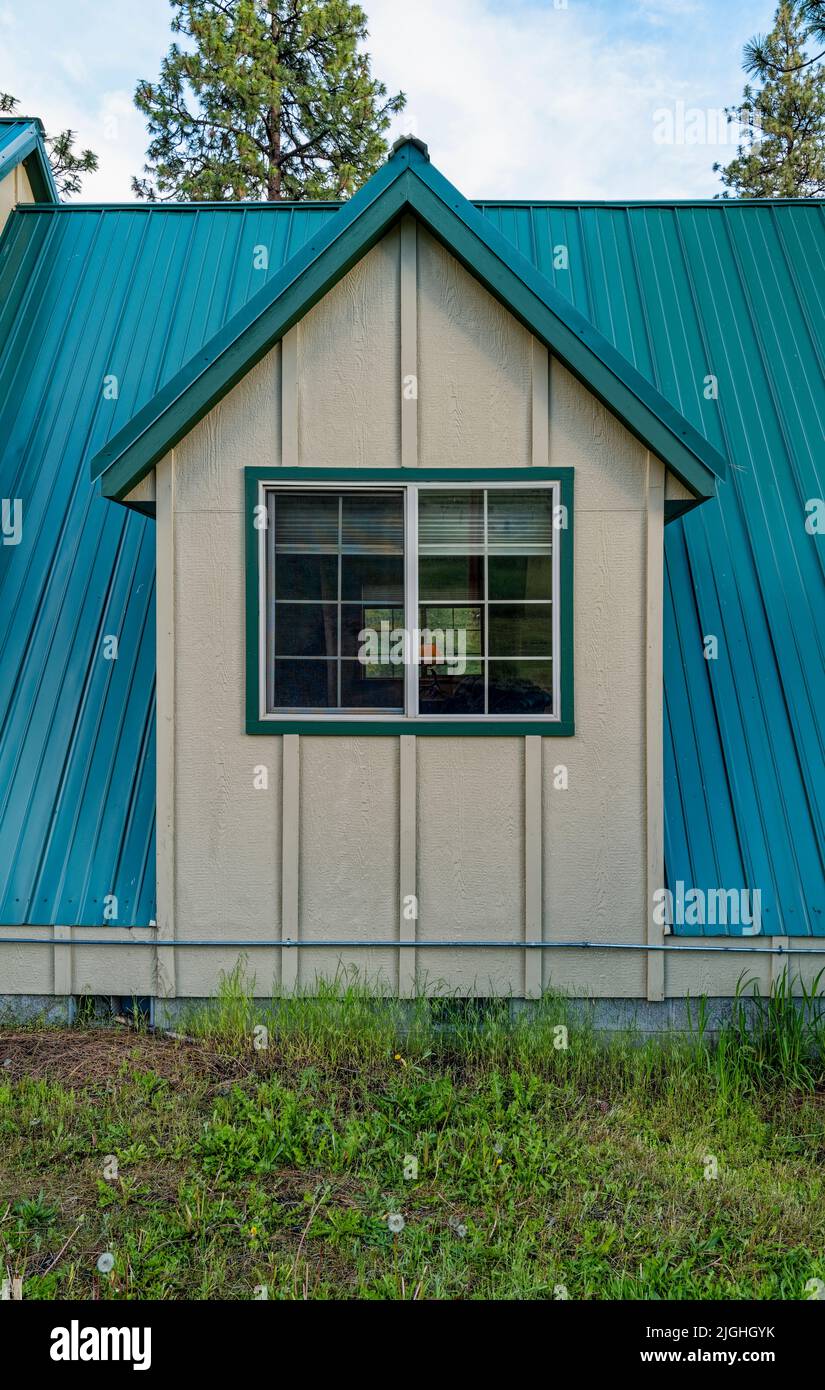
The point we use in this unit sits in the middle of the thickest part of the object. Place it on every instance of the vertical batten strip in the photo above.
(63, 983)
(291, 754)
(165, 966)
(289, 398)
(532, 864)
(533, 830)
(290, 812)
(778, 964)
(654, 718)
(541, 405)
(407, 867)
(407, 753)
(409, 343)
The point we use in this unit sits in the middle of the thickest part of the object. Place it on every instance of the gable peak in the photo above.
(404, 140)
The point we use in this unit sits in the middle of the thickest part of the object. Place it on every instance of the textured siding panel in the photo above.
(684, 291)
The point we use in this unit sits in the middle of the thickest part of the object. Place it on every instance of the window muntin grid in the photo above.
(506, 604)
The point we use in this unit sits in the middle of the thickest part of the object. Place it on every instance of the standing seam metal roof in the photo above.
(682, 290)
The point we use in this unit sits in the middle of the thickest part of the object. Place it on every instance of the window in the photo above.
(389, 602)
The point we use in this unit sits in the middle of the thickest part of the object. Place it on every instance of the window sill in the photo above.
(391, 728)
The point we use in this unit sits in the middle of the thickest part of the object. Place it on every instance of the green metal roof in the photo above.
(406, 183)
(22, 141)
(679, 290)
(142, 287)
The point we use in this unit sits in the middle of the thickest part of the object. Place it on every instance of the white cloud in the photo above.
(74, 65)
(543, 103)
(515, 99)
(664, 11)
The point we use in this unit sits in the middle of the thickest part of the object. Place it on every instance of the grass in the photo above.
(359, 1150)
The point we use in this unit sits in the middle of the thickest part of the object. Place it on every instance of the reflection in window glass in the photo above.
(520, 576)
(305, 684)
(337, 608)
(521, 629)
(336, 569)
(454, 577)
(520, 687)
(492, 548)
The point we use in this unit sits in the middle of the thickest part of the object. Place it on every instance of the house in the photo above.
(414, 585)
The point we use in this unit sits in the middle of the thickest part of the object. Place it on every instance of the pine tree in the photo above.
(67, 164)
(272, 99)
(812, 14)
(783, 152)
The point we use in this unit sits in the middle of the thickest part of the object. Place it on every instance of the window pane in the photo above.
(441, 693)
(451, 576)
(373, 578)
(520, 629)
(451, 521)
(520, 576)
(519, 521)
(371, 687)
(357, 618)
(306, 629)
(520, 687)
(305, 519)
(373, 521)
(306, 576)
(305, 685)
(451, 631)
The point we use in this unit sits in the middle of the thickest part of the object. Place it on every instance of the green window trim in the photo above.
(478, 726)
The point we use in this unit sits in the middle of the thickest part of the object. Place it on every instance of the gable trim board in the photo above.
(28, 148)
(407, 183)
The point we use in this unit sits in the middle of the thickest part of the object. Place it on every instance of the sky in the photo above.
(515, 98)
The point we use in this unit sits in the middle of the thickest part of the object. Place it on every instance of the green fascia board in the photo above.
(406, 183)
(478, 727)
(568, 334)
(339, 244)
(29, 149)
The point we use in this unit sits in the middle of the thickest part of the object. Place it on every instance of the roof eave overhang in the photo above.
(406, 184)
(29, 150)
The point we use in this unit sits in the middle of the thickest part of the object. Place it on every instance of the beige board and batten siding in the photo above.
(493, 848)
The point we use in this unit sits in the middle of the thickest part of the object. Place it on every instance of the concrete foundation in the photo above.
(644, 1018)
(47, 1010)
